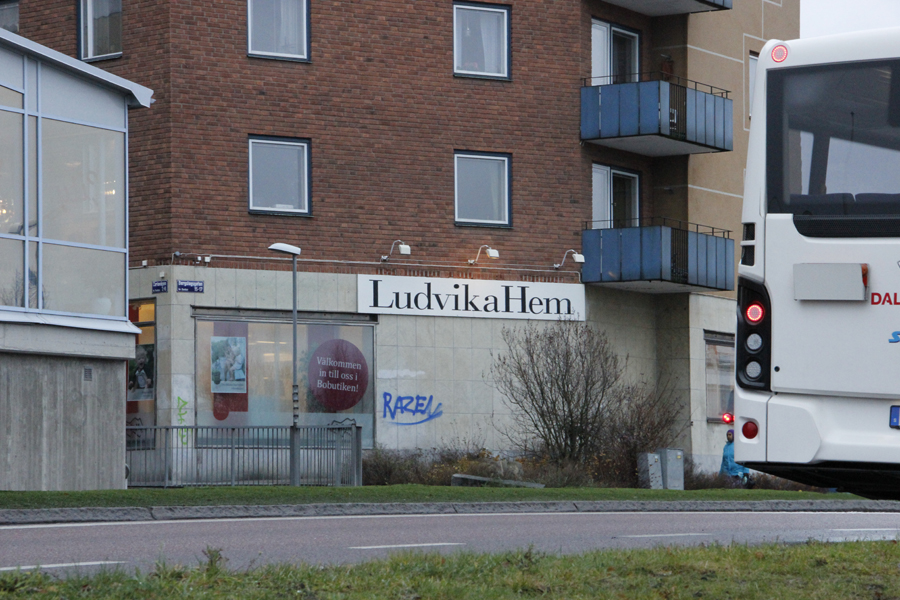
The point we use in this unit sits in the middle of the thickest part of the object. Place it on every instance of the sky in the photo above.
(824, 17)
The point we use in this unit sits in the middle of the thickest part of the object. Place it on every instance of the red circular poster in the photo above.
(338, 375)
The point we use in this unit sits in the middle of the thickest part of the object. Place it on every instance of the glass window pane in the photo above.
(33, 269)
(10, 98)
(12, 284)
(481, 185)
(719, 376)
(32, 176)
(624, 63)
(84, 184)
(278, 176)
(74, 99)
(480, 41)
(12, 174)
(79, 280)
(11, 69)
(102, 29)
(278, 27)
(625, 213)
(9, 16)
(267, 360)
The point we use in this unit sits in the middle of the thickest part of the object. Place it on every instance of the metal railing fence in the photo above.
(657, 221)
(655, 76)
(180, 456)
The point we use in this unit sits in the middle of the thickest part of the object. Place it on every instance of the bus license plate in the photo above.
(895, 417)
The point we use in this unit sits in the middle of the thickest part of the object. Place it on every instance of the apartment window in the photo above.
(279, 176)
(9, 15)
(278, 28)
(616, 198)
(615, 54)
(101, 28)
(719, 375)
(482, 189)
(481, 40)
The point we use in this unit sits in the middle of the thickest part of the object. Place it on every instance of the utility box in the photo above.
(672, 463)
(650, 471)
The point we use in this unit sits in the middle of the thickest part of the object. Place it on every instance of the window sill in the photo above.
(477, 76)
(281, 57)
(492, 225)
(104, 57)
(279, 213)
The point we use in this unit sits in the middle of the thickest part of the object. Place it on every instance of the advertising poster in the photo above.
(140, 373)
(338, 375)
(228, 357)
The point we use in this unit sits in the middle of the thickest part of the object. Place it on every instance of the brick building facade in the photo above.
(381, 109)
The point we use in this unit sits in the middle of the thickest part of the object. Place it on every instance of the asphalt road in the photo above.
(349, 539)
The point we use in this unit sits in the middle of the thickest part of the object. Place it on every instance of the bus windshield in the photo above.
(834, 143)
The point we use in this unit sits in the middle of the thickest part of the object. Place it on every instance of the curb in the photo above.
(179, 513)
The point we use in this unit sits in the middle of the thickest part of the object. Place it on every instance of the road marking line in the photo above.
(655, 535)
(770, 514)
(406, 546)
(872, 529)
(61, 565)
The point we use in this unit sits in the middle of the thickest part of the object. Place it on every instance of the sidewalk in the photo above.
(174, 513)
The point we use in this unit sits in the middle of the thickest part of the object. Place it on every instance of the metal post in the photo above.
(232, 457)
(295, 390)
(166, 457)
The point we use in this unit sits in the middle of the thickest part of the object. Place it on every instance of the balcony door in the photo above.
(614, 54)
(616, 198)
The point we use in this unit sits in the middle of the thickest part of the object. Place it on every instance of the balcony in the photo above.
(657, 256)
(661, 8)
(656, 114)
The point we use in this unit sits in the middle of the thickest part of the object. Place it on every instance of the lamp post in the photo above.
(294, 251)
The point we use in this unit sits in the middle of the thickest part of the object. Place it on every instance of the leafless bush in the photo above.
(570, 403)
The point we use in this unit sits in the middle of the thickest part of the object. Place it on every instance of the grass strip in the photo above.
(217, 496)
(806, 571)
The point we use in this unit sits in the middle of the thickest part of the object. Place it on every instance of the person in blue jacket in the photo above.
(731, 468)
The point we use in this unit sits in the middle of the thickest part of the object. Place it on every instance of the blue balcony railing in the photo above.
(657, 255)
(661, 8)
(656, 114)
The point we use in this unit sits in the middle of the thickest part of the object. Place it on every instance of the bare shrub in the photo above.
(570, 403)
(561, 383)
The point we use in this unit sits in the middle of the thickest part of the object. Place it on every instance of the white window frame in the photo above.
(602, 52)
(86, 35)
(482, 156)
(307, 173)
(602, 195)
(14, 4)
(304, 11)
(504, 61)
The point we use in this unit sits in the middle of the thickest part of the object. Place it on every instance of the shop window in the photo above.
(481, 40)
(9, 15)
(279, 176)
(719, 375)
(482, 189)
(140, 403)
(101, 29)
(615, 54)
(244, 373)
(616, 198)
(278, 29)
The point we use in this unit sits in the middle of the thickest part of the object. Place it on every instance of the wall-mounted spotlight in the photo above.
(402, 248)
(578, 258)
(490, 253)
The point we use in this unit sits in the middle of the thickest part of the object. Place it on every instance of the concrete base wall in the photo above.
(61, 428)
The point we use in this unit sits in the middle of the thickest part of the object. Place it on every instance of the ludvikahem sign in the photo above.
(440, 297)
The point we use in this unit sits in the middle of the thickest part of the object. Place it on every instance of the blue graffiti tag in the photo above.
(412, 405)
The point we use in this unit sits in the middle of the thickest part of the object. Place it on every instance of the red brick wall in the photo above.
(384, 112)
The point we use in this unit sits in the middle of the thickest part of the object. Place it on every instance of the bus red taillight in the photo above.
(750, 430)
(779, 53)
(755, 313)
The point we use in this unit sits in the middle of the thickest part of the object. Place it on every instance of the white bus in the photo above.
(817, 366)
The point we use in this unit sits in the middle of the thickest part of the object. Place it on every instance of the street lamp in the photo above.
(294, 251)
